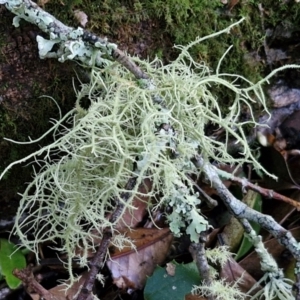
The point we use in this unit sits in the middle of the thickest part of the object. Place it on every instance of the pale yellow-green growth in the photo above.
(220, 290)
(125, 133)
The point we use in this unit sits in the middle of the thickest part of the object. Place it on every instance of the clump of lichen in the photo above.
(132, 131)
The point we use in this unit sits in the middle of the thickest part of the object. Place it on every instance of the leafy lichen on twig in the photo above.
(276, 284)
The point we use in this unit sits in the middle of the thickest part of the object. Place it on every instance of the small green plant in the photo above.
(10, 259)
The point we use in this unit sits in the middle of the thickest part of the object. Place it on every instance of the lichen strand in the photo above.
(124, 127)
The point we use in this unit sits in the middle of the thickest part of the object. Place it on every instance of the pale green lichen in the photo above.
(220, 290)
(218, 255)
(275, 285)
(95, 150)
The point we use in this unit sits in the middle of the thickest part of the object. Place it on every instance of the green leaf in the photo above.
(10, 259)
(246, 245)
(161, 285)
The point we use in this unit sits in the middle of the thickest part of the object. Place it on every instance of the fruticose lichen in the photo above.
(125, 134)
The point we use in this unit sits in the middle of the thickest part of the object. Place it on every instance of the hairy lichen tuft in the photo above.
(125, 133)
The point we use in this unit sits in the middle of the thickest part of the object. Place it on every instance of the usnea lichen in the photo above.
(125, 134)
(220, 290)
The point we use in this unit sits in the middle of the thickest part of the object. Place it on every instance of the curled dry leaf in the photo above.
(129, 267)
(80, 17)
(232, 272)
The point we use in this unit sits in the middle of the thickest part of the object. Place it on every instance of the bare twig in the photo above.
(241, 211)
(211, 203)
(198, 252)
(28, 279)
(265, 192)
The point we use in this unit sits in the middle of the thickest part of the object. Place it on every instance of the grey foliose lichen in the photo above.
(71, 43)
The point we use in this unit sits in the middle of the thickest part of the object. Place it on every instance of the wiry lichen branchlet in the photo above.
(276, 286)
(219, 289)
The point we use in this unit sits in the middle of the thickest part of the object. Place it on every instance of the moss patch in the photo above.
(149, 28)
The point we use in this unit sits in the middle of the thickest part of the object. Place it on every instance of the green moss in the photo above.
(170, 22)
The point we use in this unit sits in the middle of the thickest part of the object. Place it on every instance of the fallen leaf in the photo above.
(163, 286)
(80, 17)
(232, 272)
(60, 292)
(129, 267)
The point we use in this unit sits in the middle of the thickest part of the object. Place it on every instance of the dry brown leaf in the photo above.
(34, 296)
(232, 3)
(80, 17)
(130, 268)
(60, 290)
(232, 272)
(141, 237)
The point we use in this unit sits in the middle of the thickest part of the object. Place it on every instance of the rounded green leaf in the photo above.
(10, 259)
(161, 285)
